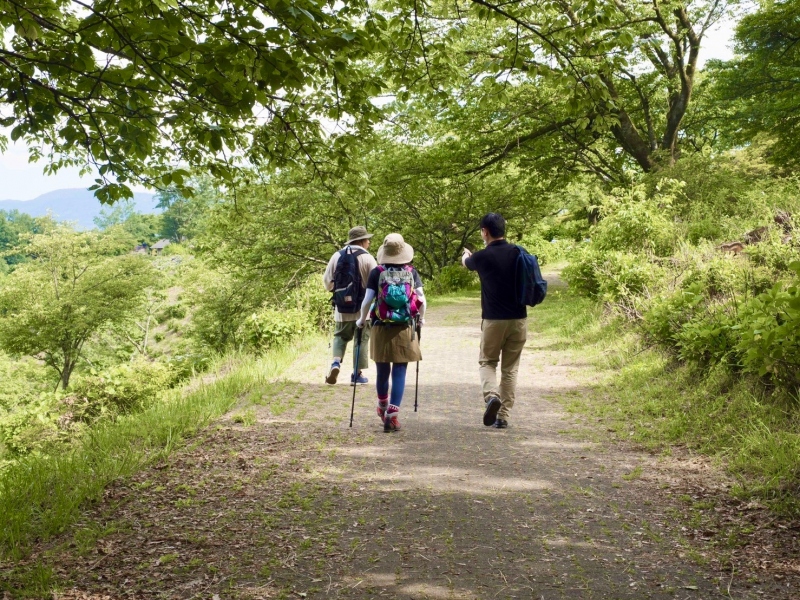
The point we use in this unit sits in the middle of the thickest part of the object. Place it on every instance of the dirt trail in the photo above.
(291, 503)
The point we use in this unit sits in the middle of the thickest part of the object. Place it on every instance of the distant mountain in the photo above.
(76, 205)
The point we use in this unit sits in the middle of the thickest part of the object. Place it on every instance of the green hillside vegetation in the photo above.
(664, 189)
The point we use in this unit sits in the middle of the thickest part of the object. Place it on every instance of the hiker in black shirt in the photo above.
(504, 327)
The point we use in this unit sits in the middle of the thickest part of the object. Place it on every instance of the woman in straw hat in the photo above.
(395, 303)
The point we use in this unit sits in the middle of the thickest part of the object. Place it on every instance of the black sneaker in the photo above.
(500, 424)
(493, 405)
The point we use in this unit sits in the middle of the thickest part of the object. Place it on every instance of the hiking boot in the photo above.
(390, 421)
(333, 373)
(500, 424)
(382, 406)
(360, 380)
(493, 405)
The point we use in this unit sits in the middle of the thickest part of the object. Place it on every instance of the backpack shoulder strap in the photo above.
(352, 251)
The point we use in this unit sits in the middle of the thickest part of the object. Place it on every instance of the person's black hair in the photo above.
(495, 224)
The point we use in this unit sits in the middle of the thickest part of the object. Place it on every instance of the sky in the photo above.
(21, 180)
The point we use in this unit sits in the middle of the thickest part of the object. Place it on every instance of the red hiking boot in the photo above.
(390, 421)
(383, 404)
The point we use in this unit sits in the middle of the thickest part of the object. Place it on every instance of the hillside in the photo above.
(74, 204)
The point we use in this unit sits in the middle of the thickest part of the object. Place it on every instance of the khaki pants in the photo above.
(501, 341)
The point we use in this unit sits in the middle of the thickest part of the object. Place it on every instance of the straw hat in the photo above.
(358, 233)
(395, 251)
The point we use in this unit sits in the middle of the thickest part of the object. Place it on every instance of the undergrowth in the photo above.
(646, 396)
(41, 494)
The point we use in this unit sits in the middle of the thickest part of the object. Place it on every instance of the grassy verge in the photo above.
(645, 396)
(40, 496)
(434, 299)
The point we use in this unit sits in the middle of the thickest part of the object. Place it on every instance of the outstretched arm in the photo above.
(423, 304)
(464, 256)
(369, 296)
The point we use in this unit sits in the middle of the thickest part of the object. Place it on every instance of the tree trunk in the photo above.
(632, 143)
(66, 373)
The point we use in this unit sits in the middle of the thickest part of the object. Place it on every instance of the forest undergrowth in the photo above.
(42, 494)
(642, 394)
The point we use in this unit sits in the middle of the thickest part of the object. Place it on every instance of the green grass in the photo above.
(42, 495)
(452, 298)
(644, 396)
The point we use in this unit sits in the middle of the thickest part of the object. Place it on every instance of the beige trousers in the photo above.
(501, 341)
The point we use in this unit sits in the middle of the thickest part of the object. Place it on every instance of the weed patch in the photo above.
(41, 495)
(643, 395)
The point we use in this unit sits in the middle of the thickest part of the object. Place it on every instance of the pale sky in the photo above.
(21, 180)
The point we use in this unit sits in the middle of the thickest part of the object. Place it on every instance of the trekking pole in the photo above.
(355, 373)
(416, 385)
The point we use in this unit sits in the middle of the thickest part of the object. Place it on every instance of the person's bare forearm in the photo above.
(368, 298)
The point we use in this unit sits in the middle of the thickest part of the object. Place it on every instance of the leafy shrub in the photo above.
(774, 254)
(221, 306)
(23, 382)
(452, 278)
(29, 428)
(728, 275)
(770, 334)
(635, 223)
(668, 313)
(706, 228)
(173, 311)
(580, 274)
(547, 251)
(271, 327)
(124, 388)
(184, 364)
(176, 250)
(314, 300)
(709, 337)
(610, 275)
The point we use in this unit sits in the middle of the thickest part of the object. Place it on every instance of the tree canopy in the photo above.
(598, 85)
(762, 83)
(136, 87)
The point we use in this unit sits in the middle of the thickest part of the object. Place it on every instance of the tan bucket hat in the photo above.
(395, 251)
(358, 233)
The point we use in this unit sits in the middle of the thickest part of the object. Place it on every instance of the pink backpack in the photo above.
(397, 302)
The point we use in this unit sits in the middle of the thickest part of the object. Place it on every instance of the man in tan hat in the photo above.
(346, 277)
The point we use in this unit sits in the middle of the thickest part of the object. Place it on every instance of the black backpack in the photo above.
(531, 286)
(348, 293)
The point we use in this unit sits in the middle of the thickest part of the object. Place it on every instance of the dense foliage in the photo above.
(761, 84)
(716, 289)
(91, 331)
